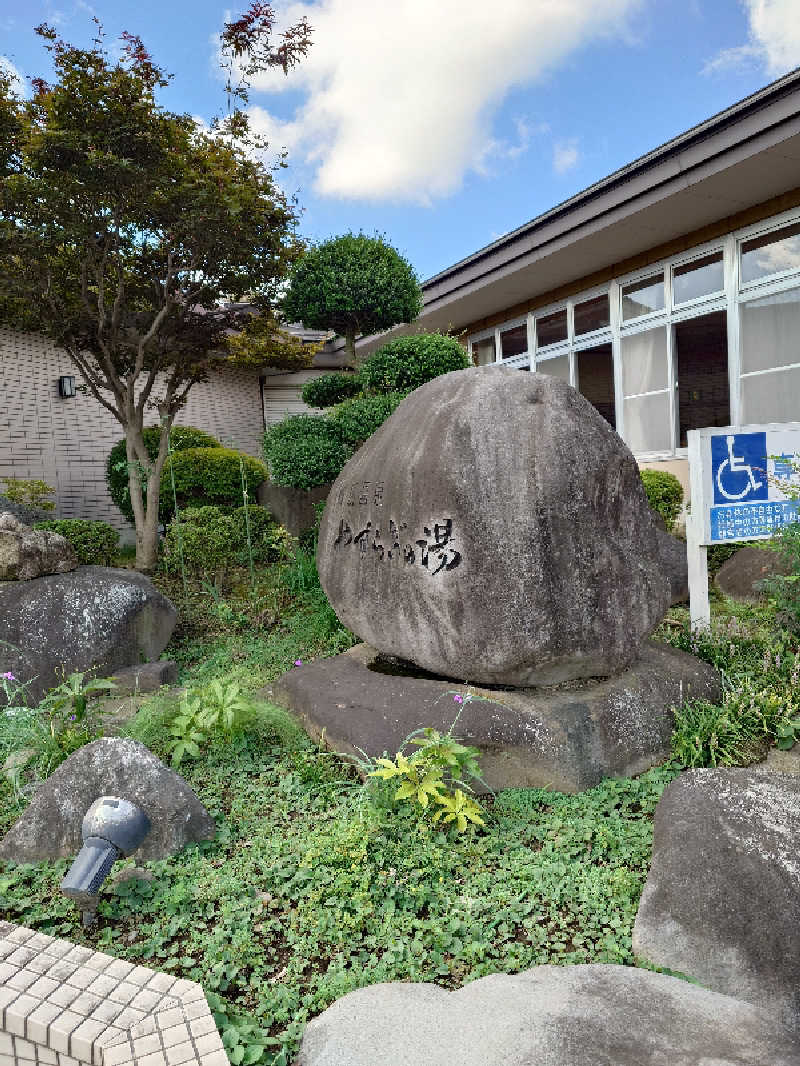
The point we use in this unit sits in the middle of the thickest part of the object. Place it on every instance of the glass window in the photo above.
(644, 362)
(771, 253)
(648, 423)
(701, 366)
(556, 368)
(514, 341)
(699, 278)
(643, 297)
(771, 397)
(591, 315)
(594, 369)
(769, 334)
(483, 351)
(550, 329)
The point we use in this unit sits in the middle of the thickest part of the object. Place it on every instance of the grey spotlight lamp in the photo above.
(112, 828)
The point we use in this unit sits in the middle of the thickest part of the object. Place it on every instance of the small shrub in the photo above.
(29, 492)
(94, 543)
(435, 779)
(214, 539)
(208, 477)
(330, 389)
(180, 437)
(358, 419)
(783, 590)
(664, 494)
(408, 362)
(269, 541)
(304, 451)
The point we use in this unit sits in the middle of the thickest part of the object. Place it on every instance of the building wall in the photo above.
(66, 442)
(704, 335)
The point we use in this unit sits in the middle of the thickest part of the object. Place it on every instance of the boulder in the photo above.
(675, 565)
(595, 1015)
(568, 737)
(495, 529)
(50, 827)
(740, 576)
(95, 619)
(26, 553)
(144, 677)
(722, 900)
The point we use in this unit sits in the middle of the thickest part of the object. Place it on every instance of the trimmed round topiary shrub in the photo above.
(358, 419)
(330, 389)
(408, 362)
(95, 543)
(208, 477)
(304, 450)
(180, 437)
(664, 493)
(215, 538)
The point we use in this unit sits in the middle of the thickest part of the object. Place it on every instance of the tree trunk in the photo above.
(141, 469)
(350, 347)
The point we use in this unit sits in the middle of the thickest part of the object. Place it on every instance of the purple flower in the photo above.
(72, 718)
(298, 662)
(458, 699)
(8, 676)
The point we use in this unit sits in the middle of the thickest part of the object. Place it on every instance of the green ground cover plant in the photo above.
(318, 883)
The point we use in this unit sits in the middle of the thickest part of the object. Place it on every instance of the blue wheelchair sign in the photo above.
(739, 467)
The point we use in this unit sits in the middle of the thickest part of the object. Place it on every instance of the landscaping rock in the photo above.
(548, 1016)
(722, 900)
(94, 619)
(495, 528)
(27, 553)
(568, 737)
(783, 761)
(146, 677)
(674, 565)
(740, 576)
(50, 827)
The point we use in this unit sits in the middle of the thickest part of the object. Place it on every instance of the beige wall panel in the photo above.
(66, 442)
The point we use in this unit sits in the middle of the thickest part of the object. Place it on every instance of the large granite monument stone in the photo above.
(494, 532)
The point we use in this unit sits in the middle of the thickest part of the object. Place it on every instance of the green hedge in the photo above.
(331, 389)
(215, 538)
(208, 477)
(358, 419)
(180, 437)
(94, 543)
(664, 493)
(305, 450)
(408, 362)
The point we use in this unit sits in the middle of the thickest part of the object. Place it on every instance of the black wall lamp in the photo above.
(66, 386)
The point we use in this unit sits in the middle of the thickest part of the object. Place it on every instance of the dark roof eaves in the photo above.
(754, 102)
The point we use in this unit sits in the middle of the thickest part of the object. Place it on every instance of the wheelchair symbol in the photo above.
(736, 465)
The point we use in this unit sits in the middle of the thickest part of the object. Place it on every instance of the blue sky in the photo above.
(446, 123)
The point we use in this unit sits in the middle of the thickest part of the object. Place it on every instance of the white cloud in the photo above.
(565, 155)
(774, 42)
(398, 96)
(18, 82)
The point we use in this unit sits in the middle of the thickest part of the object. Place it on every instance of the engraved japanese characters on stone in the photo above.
(434, 550)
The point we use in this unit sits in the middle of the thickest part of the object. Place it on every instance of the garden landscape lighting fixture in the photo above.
(66, 386)
(112, 829)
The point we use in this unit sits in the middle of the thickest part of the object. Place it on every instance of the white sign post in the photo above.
(737, 480)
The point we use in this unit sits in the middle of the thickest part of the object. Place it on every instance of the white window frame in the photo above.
(784, 278)
(730, 299)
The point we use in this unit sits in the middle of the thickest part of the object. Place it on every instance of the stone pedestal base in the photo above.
(568, 737)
